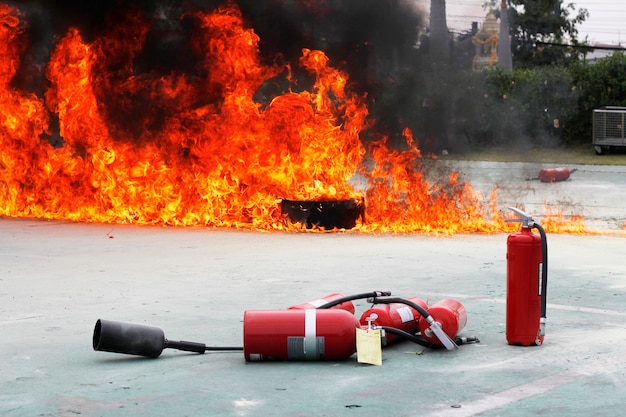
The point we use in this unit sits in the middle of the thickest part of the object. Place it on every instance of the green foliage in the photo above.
(544, 106)
(522, 107)
(452, 108)
(600, 84)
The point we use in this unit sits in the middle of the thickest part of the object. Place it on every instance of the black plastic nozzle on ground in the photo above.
(132, 339)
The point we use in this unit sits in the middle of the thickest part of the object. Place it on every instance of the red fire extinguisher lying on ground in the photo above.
(299, 334)
(397, 315)
(553, 174)
(450, 314)
(309, 331)
(526, 283)
(316, 334)
(330, 298)
(436, 326)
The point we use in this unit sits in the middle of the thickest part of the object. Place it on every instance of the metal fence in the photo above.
(608, 128)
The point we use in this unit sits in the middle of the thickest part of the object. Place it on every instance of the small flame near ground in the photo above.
(174, 148)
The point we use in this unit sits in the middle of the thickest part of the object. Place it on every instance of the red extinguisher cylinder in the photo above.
(299, 334)
(554, 174)
(396, 315)
(452, 316)
(320, 302)
(523, 288)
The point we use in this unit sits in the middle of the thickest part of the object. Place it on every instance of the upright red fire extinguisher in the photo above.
(526, 284)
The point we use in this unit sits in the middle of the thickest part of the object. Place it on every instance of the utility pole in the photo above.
(504, 43)
(439, 48)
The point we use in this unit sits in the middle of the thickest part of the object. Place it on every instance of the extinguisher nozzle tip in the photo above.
(542, 327)
(464, 340)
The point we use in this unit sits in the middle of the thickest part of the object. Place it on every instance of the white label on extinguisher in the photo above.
(318, 303)
(540, 278)
(405, 314)
(310, 334)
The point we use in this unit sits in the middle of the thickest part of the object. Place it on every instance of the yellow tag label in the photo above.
(368, 347)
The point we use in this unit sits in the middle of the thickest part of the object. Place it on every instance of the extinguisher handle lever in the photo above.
(525, 219)
(438, 331)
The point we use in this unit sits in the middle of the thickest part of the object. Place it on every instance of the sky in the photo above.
(606, 23)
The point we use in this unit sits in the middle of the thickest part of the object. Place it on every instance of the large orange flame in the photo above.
(200, 150)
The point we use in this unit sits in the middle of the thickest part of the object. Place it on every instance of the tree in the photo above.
(541, 29)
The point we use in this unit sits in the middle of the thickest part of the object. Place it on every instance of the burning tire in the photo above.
(326, 214)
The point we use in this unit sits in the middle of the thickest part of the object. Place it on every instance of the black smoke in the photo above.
(374, 41)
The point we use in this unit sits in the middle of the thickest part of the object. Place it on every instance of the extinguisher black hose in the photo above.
(198, 347)
(413, 338)
(392, 300)
(544, 269)
(416, 338)
(354, 297)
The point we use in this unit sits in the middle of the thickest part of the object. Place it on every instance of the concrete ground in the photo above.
(595, 192)
(58, 278)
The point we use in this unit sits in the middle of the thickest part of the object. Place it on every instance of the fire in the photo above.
(557, 221)
(176, 148)
(401, 199)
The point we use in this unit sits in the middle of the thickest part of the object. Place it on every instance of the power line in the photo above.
(586, 47)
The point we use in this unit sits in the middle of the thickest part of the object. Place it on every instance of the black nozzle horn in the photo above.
(132, 339)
